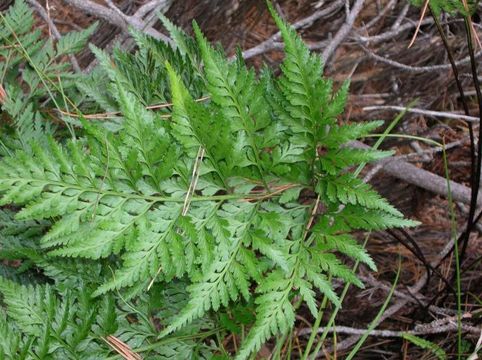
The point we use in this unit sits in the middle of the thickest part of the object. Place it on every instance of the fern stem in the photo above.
(474, 165)
(375, 321)
(387, 131)
(453, 223)
(315, 327)
(335, 312)
(158, 199)
(476, 184)
(169, 340)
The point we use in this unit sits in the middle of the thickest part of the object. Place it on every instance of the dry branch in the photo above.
(112, 16)
(343, 32)
(416, 69)
(449, 325)
(273, 42)
(441, 114)
(422, 178)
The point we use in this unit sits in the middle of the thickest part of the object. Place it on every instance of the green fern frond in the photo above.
(347, 189)
(426, 344)
(75, 41)
(274, 314)
(228, 276)
(233, 88)
(28, 306)
(209, 200)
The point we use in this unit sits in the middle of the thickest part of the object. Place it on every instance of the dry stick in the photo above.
(413, 298)
(273, 42)
(151, 5)
(113, 17)
(415, 69)
(401, 16)
(421, 178)
(417, 298)
(422, 15)
(464, 210)
(68, 23)
(194, 180)
(343, 32)
(381, 14)
(148, 13)
(45, 16)
(431, 151)
(121, 348)
(115, 9)
(423, 329)
(442, 114)
(375, 39)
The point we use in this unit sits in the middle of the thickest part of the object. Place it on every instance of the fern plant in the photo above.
(245, 196)
(43, 323)
(35, 77)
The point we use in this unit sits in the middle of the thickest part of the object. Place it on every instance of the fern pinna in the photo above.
(245, 195)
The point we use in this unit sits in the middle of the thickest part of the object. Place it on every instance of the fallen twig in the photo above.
(448, 324)
(273, 42)
(343, 32)
(442, 114)
(415, 69)
(113, 17)
(422, 178)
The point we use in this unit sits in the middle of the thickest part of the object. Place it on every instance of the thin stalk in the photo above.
(453, 222)
(404, 136)
(315, 327)
(473, 66)
(335, 312)
(389, 128)
(375, 321)
(474, 167)
(276, 354)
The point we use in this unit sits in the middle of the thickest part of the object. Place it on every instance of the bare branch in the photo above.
(436, 327)
(401, 16)
(343, 32)
(422, 178)
(416, 69)
(382, 14)
(273, 42)
(375, 39)
(442, 114)
(113, 17)
(150, 6)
